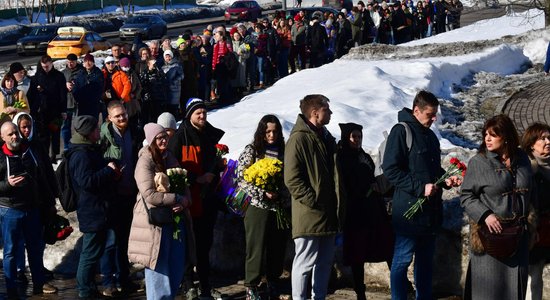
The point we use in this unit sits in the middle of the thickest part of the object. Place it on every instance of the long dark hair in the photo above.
(259, 142)
(158, 158)
(503, 127)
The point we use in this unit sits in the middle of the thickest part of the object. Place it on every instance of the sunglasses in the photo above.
(110, 63)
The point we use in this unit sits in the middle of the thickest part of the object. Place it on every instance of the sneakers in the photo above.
(21, 277)
(217, 295)
(252, 294)
(111, 292)
(192, 294)
(45, 289)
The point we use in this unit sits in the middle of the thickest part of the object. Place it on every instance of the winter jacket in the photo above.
(311, 177)
(317, 38)
(220, 49)
(120, 84)
(24, 84)
(298, 34)
(196, 152)
(88, 90)
(22, 197)
(7, 99)
(70, 76)
(174, 75)
(409, 171)
(133, 107)
(144, 241)
(153, 83)
(47, 95)
(93, 182)
(356, 25)
(190, 65)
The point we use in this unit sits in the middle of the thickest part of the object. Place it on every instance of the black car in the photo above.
(36, 41)
(148, 26)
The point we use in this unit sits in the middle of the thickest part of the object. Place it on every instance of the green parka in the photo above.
(311, 176)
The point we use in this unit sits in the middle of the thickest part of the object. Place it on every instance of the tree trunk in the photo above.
(547, 14)
(122, 6)
(164, 4)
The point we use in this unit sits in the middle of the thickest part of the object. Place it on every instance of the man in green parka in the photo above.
(310, 176)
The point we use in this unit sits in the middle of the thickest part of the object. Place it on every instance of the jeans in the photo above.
(429, 30)
(423, 248)
(93, 244)
(314, 255)
(282, 62)
(261, 74)
(108, 265)
(20, 225)
(66, 130)
(163, 282)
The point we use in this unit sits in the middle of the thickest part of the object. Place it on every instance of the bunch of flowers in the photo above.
(178, 185)
(237, 200)
(19, 104)
(221, 150)
(456, 167)
(267, 174)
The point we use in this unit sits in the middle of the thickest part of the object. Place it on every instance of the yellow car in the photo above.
(75, 40)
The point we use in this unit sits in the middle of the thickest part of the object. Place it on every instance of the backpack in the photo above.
(231, 64)
(68, 197)
(382, 148)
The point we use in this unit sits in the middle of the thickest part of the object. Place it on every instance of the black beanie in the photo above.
(193, 104)
(16, 67)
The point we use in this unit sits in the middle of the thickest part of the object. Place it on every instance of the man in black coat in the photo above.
(318, 43)
(88, 88)
(48, 103)
(343, 39)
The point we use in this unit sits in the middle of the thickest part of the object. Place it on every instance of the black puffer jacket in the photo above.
(47, 95)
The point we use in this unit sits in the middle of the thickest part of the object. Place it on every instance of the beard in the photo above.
(15, 145)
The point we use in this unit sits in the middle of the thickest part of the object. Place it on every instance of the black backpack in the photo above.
(68, 197)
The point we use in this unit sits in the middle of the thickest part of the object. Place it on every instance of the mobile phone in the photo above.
(17, 174)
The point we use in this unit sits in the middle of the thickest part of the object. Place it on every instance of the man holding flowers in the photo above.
(414, 173)
(310, 176)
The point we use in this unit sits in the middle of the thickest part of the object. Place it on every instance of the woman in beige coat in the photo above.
(161, 251)
(9, 96)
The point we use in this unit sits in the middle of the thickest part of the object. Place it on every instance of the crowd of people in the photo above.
(119, 169)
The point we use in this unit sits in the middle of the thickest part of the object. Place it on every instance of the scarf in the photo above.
(541, 165)
(9, 96)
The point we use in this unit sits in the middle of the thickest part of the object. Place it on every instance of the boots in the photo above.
(252, 294)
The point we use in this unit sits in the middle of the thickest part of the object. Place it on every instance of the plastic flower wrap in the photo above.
(267, 174)
(235, 197)
(178, 185)
(456, 167)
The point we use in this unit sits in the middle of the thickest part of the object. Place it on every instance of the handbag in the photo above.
(543, 230)
(506, 243)
(159, 215)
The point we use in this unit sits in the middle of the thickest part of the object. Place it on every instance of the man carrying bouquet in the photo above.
(310, 176)
(194, 145)
(413, 173)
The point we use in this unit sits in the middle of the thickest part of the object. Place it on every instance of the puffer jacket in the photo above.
(409, 172)
(312, 178)
(25, 196)
(47, 95)
(174, 75)
(87, 91)
(144, 241)
(120, 83)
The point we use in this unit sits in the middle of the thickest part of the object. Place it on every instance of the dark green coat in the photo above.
(312, 180)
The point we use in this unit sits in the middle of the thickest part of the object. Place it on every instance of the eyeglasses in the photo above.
(110, 62)
(162, 137)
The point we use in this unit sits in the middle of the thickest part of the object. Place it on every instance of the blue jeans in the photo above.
(261, 75)
(108, 263)
(163, 282)
(423, 248)
(93, 244)
(20, 225)
(282, 62)
(314, 255)
(66, 130)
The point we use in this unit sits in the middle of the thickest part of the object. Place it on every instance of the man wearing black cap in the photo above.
(194, 145)
(48, 102)
(93, 181)
(70, 72)
(20, 74)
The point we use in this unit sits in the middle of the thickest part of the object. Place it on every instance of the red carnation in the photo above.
(455, 161)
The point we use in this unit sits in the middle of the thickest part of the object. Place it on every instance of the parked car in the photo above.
(76, 40)
(243, 10)
(148, 26)
(36, 41)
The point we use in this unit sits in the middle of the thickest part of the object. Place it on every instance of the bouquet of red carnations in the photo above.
(456, 167)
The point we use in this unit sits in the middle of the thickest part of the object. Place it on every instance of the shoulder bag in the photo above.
(159, 215)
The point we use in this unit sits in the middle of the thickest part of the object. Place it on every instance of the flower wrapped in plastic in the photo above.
(267, 174)
(174, 181)
(456, 168)
(236, 199)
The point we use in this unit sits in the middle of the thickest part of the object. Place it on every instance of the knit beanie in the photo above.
(169, 52)
(151, 131)
(124, 62)
(16, 67)
(84, 124)
(193, 104)
(167, 121)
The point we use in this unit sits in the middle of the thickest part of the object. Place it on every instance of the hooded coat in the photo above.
(313, 181)
(409, 171)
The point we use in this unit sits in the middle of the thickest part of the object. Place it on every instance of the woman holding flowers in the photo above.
(536, 142)
(161, 249)
(368, 236)
(497, 188)
(12, 100)
(265, 239)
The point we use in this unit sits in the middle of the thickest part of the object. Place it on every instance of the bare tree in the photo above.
(164, 3)
(28, 6)
(542, 5)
